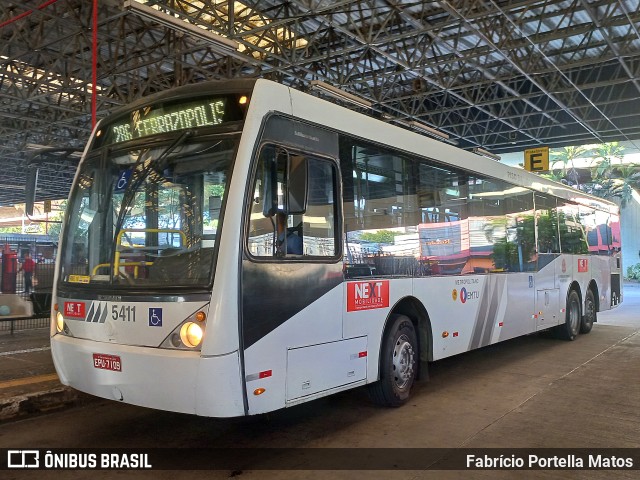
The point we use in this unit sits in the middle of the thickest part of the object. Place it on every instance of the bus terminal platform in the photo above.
(28, 382)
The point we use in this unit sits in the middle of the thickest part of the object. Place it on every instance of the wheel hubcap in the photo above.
(403, 362)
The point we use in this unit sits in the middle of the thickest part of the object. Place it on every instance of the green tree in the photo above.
(513, 251)
(381, 236)
(547, 231)
(567, 156)
(604, 155)
(10, 229)
(610, 180)
(626, 178)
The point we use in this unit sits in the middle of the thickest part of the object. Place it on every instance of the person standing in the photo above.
(28, 267)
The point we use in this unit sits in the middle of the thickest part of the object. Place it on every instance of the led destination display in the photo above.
(171, 117)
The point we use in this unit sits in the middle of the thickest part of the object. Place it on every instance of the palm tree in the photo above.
(609, 180)
(567, 156)
(604, 155)
(626, 179)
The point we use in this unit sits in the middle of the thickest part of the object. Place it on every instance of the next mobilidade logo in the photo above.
(367, 295)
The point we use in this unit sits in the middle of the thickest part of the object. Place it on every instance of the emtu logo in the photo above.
(367, 295)
(468, 295)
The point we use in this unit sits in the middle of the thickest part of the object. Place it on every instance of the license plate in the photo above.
(107, 362)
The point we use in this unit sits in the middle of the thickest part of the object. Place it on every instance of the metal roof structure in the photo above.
(503, 75)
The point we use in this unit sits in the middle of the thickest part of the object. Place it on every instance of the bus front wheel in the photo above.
(571, 326)
(398, 364)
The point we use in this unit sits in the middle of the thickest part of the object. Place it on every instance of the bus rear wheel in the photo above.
(398, 364)
(590, 313)
(571, 326)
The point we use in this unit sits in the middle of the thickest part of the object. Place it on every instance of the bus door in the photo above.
(291, 291)
(547, 303)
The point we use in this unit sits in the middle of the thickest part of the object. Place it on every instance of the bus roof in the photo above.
(326, 114)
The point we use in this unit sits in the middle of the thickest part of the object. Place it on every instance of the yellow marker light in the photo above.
(191, 334)
(55, 307)
(445, 334)
(98, 133)
(201, 316)
(59, 322)
(243, 100)
(259, 391)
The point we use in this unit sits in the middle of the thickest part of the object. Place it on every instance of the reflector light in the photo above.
(362, 354)
(201, 316)
(265, 374)
(455, 334)
(445, 334)
(259, 391)
(501, 324)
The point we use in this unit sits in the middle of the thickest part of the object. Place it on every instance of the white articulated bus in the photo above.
(233, 248)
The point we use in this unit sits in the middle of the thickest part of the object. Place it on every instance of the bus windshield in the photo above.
(145, 217)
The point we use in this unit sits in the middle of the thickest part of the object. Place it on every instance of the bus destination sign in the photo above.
(168, 118)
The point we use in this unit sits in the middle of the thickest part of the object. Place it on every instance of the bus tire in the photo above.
(590, 314)
(398, 364)
(571, 326)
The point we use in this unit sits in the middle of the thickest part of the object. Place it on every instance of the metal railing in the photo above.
(12, 325)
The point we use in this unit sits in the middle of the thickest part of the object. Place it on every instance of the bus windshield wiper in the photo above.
(159, 163)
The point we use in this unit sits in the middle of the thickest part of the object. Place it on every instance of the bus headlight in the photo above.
(191, 334)
(188, 334)
(59, 322)
(62, 326)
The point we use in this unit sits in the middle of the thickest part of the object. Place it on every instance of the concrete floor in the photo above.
(529, 393)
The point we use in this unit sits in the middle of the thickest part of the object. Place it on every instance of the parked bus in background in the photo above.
(180, 285)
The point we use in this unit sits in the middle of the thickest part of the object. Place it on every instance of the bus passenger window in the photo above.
(318, 223)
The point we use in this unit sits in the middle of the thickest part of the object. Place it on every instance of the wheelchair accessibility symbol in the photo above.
(122, 182)
(155, 317)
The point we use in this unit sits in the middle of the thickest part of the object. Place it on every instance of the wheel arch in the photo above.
(413, 308)
(576, 286)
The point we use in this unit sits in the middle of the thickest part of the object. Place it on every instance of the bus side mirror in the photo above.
(270, 187)
(30, 189)
(293, 186)
(297, 185)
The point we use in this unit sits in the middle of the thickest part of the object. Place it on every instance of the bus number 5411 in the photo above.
(126, 313)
